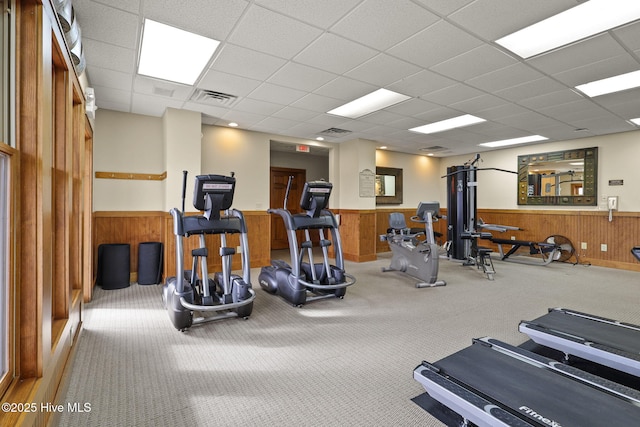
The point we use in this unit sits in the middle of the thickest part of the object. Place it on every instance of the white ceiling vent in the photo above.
(334, 132)
(206, 96)
(432, 149)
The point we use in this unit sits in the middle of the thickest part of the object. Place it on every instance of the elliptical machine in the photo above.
(226, 293)
(302, 281)
(417, 258)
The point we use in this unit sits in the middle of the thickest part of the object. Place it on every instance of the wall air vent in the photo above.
(205, 96)
(334, 132)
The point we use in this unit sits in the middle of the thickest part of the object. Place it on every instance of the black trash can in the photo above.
(150, 257)
(113, 265)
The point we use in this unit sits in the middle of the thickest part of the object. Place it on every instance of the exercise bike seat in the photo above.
(398, 226)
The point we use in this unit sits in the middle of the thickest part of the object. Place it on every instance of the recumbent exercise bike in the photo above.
(415, 257)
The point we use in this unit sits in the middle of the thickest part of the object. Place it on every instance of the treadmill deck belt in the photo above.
(534, 392)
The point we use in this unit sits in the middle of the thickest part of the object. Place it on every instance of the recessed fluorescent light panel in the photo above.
(455, 122)
(173, 54)
(635, 121)
(514, 141)
(367, 104)
(611, 84)
(577, 23)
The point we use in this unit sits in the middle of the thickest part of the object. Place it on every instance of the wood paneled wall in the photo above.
(358, 244)
(137, 227)
(590, 227)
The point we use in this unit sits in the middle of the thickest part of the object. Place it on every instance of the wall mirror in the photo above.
(559, 178)
(388, 186)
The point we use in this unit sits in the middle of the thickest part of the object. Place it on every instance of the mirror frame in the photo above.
(390, 200)
(590, 180)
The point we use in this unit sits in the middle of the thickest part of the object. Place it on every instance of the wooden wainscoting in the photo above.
(358, 244)
(155, 226)
(590, 227)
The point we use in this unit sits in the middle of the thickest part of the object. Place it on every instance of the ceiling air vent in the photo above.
(432, 149)
(334, 132)
(205, 96)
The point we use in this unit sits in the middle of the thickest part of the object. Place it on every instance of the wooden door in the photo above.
(278, 185)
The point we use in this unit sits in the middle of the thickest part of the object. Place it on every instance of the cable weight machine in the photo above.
(463, 230)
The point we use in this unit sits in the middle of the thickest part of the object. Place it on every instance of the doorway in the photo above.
(279, 177)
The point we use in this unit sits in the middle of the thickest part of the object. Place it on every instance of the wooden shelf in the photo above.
(136, 176)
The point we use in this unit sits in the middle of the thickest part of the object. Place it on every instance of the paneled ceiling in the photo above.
(288, 62)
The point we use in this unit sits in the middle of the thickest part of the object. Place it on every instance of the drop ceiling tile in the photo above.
(345, 89)
(244, 62)
(293, 113)
(504, 78)
(256, 106)
(109, 25)
(132, 6)
(383, 70)
(381, 24)
(452, 94)
(273, 33)
(105, 94)
(579, 54)
(243, 118)
(213, 18)
(335, 54)
(479, 103)
(598, 70)
(301, 77)
(435, 44)
(424, 81)
(539, 101)
(276, 94)
(153, 105)
(321, 13)
(110, 57)
(628, 35)
(478, 61)
(530, 89)
(413, 107)
(487, 18)
(110, 78)
(444, 7)
(315, 102)
(227, 83)
(162, 88)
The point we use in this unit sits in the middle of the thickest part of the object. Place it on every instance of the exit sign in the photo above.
(302, 148)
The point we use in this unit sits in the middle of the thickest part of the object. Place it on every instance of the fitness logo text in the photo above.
(537, 416)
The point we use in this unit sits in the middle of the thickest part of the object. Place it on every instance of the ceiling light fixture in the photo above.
(367, 104)
(514, 141)
(577, 23)
(455, 122)
(635, 121)
(233, 124)
(173, 54)
(611, 84)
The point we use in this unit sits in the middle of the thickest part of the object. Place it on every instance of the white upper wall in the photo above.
(618, 156)
(131, 143)
(135, 144)
(420, 177)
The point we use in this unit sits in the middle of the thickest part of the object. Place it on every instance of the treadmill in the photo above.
(491, 383)
(597, 339)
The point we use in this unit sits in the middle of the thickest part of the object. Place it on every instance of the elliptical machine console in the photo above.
(418, 258)
(226, 293)
(305, 281)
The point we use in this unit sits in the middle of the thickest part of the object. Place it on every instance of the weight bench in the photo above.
(547, 251)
